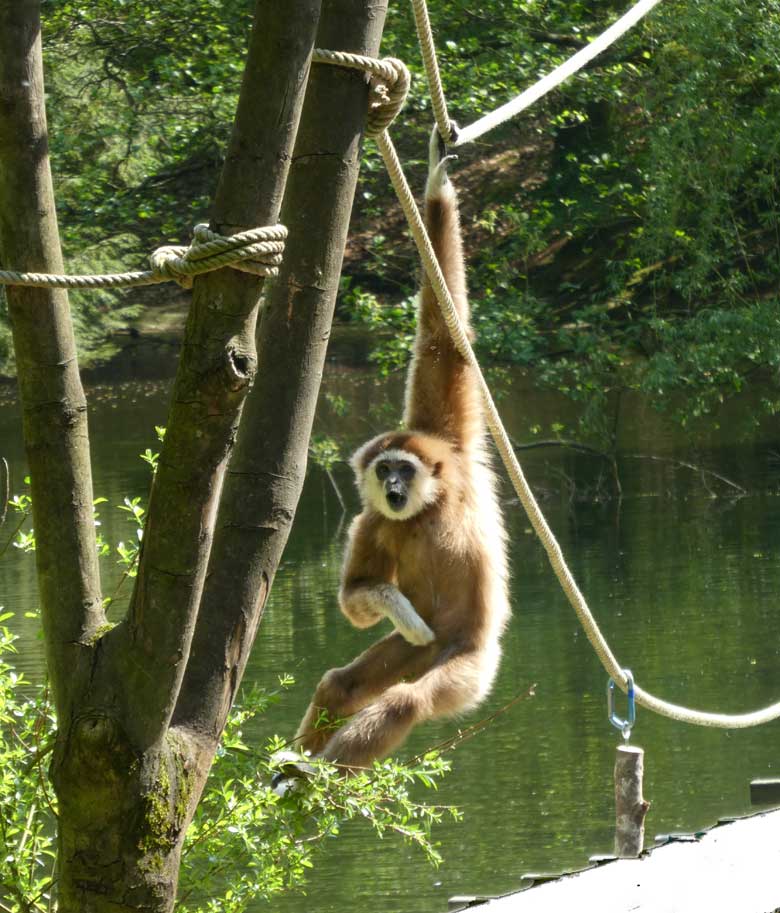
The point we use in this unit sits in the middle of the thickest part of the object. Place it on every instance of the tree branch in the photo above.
(267, 471)
(5, 488)
(53, 403)
(216, 368)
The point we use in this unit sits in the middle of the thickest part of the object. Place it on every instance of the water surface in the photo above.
(684, 585)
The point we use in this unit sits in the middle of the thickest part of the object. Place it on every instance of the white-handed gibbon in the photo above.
(428, 550)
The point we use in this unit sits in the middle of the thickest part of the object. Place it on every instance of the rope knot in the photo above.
(257, 251)
(388, 94)
(389, 80)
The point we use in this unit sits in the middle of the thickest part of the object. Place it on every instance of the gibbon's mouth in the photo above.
(396, 500)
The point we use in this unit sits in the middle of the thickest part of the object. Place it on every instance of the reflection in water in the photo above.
(684, 585)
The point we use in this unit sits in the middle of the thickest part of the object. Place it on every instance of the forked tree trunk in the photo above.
(127, 775)
(127, 786)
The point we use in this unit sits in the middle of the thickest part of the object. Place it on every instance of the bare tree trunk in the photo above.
(53, 403)
(266, 473)
(215, 372)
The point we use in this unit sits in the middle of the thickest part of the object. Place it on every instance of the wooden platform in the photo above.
(732, 868)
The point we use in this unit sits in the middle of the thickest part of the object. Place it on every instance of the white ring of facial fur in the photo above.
(422, 492)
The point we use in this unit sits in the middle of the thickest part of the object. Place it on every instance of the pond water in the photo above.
(685, 586)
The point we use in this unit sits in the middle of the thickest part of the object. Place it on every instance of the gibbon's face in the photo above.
(398, 484)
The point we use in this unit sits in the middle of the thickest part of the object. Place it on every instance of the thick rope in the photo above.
(551, 546)
(556, 77)
(258, 251)
(389, 82)
(431, 64)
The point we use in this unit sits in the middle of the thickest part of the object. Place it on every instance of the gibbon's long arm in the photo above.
(441, 393)
(428, 550)
(367, 592)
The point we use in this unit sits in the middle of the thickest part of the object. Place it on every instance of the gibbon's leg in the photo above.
(453, 685)
(343, 691)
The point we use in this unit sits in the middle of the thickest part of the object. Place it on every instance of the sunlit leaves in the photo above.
(248, 842)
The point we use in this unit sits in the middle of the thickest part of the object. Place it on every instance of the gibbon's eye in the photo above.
(382, 471)
(406, 471)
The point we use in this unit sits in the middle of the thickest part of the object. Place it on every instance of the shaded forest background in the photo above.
(623, 235)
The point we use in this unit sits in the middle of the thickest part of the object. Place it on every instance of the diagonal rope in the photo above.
(537, 519)
(258, 250)
(529, 96)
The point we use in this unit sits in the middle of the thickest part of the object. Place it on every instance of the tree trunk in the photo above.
(127, 786)
(54, 408)
(215, 372)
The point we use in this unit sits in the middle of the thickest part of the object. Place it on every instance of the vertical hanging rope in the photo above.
(537, 519)
(435, 88)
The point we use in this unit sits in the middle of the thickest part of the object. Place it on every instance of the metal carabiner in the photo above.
(624, 725)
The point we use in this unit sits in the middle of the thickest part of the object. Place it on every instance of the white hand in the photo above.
(405, 618)
(415, 630)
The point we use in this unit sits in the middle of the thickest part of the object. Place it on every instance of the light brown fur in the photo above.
(440, 574)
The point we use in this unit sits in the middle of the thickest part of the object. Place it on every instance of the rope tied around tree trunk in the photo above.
(257, 251)
(389, 81)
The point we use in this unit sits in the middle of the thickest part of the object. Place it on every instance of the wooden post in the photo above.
(630, 805)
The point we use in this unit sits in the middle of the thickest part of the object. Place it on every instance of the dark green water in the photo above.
(684, 585)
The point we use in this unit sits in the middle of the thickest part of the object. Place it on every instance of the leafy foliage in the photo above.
(248, 842)
(26, 800)
(640, 253)
(632, 210)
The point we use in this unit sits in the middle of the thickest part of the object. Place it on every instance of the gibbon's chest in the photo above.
(426, 562)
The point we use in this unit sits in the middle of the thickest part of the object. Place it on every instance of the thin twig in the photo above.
(5, 489)
(470, 731)
(682, 464)
(11, 538)
(126, 574)
(673, 461)
(27, 829)
(569, 445)
(337, 490)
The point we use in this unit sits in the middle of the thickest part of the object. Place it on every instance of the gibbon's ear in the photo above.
(357, 462)
(361, 459)
(437, 468)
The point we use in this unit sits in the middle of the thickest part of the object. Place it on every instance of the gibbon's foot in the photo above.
(293, 770)
(438, 161)
(405, 618)
(281, 784)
